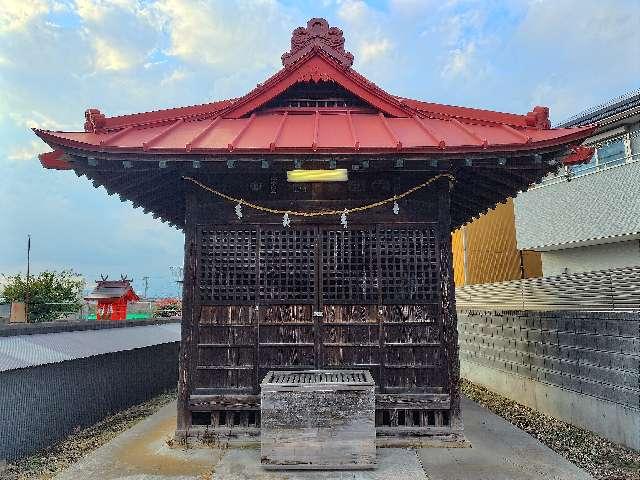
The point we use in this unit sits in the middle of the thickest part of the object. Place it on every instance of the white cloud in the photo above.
(583, 33)
(353, 10)
(366, 34)
(16, 15)
(459, 61)
(412, 7)
(175, 76)
(33, 118)
(29, 152)
(249, 34)
(90, 10)
(579, 52)
(457, 28)
(122, 33)
(372, 51)
(98, 10)
(111, 57)
(563, 99)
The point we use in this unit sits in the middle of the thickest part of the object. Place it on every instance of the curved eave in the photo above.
(579, 135)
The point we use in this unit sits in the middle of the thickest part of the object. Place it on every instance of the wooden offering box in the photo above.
(318, 419)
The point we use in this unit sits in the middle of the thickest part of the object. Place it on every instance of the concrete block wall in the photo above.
(589, 361)
(43, 404)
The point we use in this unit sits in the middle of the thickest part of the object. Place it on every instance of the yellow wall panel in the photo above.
(458, 257)
(485, 250)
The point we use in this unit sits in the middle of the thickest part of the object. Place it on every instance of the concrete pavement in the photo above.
(499, 452)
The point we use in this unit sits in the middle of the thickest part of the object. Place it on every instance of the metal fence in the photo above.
(603, 290)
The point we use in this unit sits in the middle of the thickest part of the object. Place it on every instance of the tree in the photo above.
(52, 294)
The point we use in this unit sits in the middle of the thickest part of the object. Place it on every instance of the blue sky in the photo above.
(59, 57)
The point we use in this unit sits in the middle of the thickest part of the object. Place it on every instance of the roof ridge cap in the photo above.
(96, 121)
(515, 120)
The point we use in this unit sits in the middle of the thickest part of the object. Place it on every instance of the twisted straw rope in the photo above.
(321, 213)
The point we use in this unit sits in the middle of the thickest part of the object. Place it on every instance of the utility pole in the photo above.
(146, 286)
(26, 299)
(177, 272)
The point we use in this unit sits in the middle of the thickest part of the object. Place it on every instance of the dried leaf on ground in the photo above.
(47, 463)
(602, 458)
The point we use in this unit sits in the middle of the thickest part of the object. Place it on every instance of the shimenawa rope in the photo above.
(320, 213)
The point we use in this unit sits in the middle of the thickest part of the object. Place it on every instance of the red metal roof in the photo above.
(113, 289)
(321, 130)
(387, 124)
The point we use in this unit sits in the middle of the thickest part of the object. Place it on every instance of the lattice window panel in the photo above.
(271, 265)
(228, 265)
(287, 265)
(349, 266)
(409, 271)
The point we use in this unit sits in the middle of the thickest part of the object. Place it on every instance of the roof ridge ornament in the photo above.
(94, 121)
(538, 118)
(317, 35)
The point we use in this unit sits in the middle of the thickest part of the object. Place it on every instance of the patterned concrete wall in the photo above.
(42, 404)
(592, 354)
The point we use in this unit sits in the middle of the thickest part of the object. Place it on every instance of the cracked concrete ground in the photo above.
(499, 451)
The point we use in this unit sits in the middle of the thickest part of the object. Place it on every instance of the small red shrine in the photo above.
(113, 297)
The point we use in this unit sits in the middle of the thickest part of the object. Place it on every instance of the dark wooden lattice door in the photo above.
(274, 298)
(380, 304)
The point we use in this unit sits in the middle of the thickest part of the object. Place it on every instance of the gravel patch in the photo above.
(47, 463)
(602, 458)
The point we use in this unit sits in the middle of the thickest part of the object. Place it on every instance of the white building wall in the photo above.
(590, 258)
(594, 208)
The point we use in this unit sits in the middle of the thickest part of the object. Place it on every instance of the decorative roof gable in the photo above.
(317, 35)
(317, 54)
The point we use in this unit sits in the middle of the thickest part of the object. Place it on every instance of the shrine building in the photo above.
(112, 297)
(317, 211)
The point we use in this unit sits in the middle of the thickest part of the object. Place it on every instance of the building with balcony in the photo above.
(587, 217)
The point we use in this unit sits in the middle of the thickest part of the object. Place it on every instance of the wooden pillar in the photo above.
(448, 306)
(188, 342)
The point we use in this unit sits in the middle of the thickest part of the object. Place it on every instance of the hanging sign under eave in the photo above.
(336, 175)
